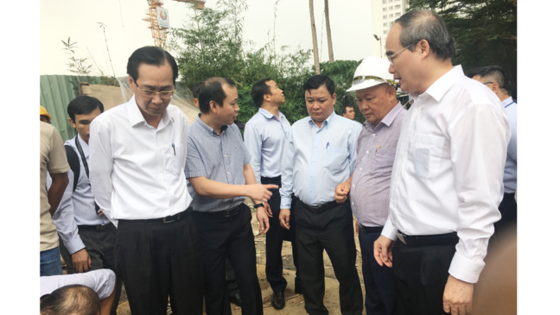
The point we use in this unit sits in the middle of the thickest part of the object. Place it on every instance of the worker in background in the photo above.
(87, 237)
(265, 135)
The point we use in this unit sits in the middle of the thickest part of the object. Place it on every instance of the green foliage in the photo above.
(212, 44)
(78, 66)
(485, 32)
(342, 73)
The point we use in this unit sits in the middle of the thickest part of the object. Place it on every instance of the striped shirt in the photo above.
(218, 158)
(371, 179)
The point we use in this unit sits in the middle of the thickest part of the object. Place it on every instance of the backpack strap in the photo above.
(74, 163)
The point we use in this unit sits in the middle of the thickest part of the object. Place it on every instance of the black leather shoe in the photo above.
(278, 301)
(235, 299)
(298, 289)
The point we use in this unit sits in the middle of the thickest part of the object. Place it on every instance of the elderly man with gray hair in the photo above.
(446, 181)
(368, 186)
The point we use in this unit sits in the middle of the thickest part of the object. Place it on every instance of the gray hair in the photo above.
(423, 24)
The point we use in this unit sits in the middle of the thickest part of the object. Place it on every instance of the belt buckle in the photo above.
(228, 214)
(314, 208)
(165, 219)
(401, 237)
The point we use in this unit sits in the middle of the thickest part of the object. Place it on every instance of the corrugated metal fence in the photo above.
(56, 92)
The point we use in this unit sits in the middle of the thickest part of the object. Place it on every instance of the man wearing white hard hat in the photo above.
(368, 186)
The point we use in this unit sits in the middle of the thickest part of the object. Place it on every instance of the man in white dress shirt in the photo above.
(446, 182)
(137, 153)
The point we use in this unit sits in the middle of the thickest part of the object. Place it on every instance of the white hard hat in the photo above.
(371, 72)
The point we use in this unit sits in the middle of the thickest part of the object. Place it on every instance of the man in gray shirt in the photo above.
(218, 169)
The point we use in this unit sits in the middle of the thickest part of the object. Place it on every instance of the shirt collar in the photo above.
(389, 118)
(268, 115)
(204, 126)
(135, 115)
(507, 101)
(327, 121)
(438, 89)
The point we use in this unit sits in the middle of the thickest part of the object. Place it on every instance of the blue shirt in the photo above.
(317, 159)
(76, 207)
(264, 138)
(219, 158)
(510, 172)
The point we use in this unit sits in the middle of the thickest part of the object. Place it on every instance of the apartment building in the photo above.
(383, 16)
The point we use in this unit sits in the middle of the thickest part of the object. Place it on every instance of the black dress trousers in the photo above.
(330, 230)
(233, 237)
(157, 260)
(274, 239)
(421, 274)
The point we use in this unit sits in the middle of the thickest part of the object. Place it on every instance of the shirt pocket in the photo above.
(172, 156)
(425, 155)
(335, 159)
(383, 161)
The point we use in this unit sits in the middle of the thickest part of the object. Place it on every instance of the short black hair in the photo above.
(496, 73)
(212, 90)
(83, 105)
(317, 81)
(151, 55)
(70, 300)
(345, 107)
(259, 90)
(196, 89)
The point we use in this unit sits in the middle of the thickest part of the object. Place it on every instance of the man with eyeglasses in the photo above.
(368, 186)
(495, 79)
(446, 181)
(138, 152)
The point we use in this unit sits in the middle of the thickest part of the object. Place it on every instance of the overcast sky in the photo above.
(350, 25)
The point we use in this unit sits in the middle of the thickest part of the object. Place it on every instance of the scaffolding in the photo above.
(159, 34)
(199, 4)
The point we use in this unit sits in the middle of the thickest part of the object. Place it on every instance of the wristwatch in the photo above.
(259, 205)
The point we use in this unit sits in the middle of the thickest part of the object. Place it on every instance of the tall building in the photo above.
(383, 16)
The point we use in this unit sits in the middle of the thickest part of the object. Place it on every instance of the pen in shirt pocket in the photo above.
(379, 146)
(173, 146)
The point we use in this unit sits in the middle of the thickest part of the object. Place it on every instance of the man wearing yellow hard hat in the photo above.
(45, 117)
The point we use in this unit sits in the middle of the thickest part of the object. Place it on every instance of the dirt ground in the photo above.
(294, 302)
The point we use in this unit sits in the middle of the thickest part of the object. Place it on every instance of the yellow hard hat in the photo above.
(44, 112)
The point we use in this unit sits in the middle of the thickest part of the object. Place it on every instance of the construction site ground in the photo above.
(294, 302)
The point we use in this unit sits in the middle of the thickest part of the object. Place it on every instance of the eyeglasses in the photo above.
(393, 56)
(150, 93)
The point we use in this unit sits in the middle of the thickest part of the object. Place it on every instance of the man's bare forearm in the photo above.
(59, 183)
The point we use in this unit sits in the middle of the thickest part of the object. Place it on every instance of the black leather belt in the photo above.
(321, 208)
(426, 240)
(371, 229)
(171, 218)
(99, 227)
(223, 213)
